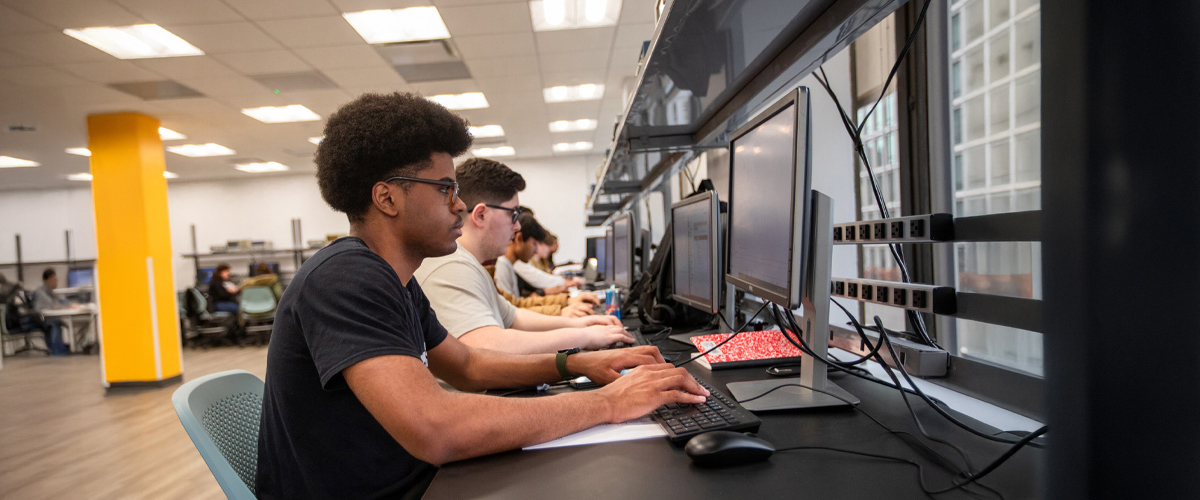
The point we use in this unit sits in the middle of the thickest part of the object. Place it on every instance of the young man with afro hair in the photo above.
(352, 407)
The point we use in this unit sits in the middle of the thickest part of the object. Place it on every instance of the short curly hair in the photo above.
(377, 136)
(482, 180)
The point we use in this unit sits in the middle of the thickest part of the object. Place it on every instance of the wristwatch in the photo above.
(561, 361)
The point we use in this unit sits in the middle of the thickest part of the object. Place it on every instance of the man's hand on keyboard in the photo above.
(648, 387)
(601, 336)
(599, 319)
(603, 367)
(584, 298)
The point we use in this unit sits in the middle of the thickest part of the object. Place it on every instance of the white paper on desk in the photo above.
(642, 428)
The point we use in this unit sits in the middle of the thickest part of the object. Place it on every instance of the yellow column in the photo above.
(135, 281)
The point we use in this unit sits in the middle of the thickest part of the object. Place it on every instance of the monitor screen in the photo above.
(204, 274)
(80, 276)
(601, 254)
(622, 252)
(768, 218)
(695, 239)
(608, 254)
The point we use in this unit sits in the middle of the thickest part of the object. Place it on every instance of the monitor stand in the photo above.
(815, 321)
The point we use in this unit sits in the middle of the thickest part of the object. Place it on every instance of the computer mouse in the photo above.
(727, 448)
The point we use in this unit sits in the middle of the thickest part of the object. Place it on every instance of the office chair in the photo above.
(24, 335)
(220, 412)
(214, 327)
(257, 310)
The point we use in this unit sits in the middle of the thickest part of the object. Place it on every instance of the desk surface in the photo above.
(70, 311)
(653, 468)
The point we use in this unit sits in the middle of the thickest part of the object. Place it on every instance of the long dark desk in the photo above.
(653, 468)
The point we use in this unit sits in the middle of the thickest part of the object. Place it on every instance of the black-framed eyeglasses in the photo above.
(449, 188)
(516, 212)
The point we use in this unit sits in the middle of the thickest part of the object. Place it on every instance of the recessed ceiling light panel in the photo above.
(167, 134)
(282, 114)
(486, 131)
(201, 150)
(571, 147)
(82, 177)
(496, 151)
(10, 162)
(568, 93)
(552, 15)
(141, 41)
(469, 100)
(261, 167)
(79, 151)
(398, 25)
(316, 140)
(581, 125)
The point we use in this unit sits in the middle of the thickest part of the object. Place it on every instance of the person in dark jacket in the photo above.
(222, 291)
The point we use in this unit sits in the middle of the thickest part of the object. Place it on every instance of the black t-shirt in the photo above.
(317, 440)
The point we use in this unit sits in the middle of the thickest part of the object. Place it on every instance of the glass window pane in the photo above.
(1029, 41)
(1019, 349)
(973, 12)
(1000, 166)
(1029, 99)
(998, 12)
(974, 69)
(958, 172)
(976, 119)
(1028, 156)
(1023, 5)
(1029, 199)
(974, 168)
(1000, 203)
(956, 125)
(999, 57)
(956, 79)
(999, 268)
(998, 109)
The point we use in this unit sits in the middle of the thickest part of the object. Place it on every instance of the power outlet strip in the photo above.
(913, 229)
(912, 296)
(919, 360)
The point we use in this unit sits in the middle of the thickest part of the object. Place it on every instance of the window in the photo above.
(995, 102)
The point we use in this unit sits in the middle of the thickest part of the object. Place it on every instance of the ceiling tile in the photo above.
(361, 5)
(10, 60)
(574, 40)
(186, 67)
(110, 71)
(508, 66)
(487, 19)
(77, 14)
(52, 48)
(180, 12)
(225, 38)
(579, 108)
(579, 77)
(464, 3)
(226, 86)
(381, 77)
(633, 35)
(282, 9)
(448, 87)
(16, 23)
(264, 63)
(43, 76)
(323, 102)
(636, 12)
(350, 56)
(625, 57)
(492, 46)
(571, 62)
(312, 32)
(509, 84)
(375, 89)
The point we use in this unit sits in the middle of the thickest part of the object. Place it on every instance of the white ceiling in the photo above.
(52, 82)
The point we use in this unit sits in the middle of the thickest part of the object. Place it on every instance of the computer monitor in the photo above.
(590, 247)
(769, 183)
(645, 250)
(80, 276)
(601, 255)
(204, 275)
(622, 251)
(696, 243)
(608, 254)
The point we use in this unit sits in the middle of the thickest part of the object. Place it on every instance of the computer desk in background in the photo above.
(653, 468)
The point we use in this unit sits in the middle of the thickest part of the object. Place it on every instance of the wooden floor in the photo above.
(62, 435)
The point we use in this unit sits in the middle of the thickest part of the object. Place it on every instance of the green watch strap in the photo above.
(560, 360)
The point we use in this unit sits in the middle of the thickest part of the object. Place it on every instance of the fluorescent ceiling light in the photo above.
(486, 131)
(567, 147)
(86, 177)
(282, 114)
(316, 140)
(140, 41)
(469, 100)
(564, 93)
(10, 162)
(398, 25)
(496, 151)
(260, 167)
(79, 151)
(170, 175)
(201, 150)
(551, 15)
(581, 125)
(167, 134)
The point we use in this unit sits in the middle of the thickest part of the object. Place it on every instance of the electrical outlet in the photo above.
(911, 229)
(837, 234)
(880, 230)
(919, 299)
(852, 290)
(882, 293)
(849, 233)
(916, 229)
(914, 296)
(899, 298)
(897, 230)
(868, 292)
(839, 288)
(864, 232)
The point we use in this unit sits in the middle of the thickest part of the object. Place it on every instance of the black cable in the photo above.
(735, 334)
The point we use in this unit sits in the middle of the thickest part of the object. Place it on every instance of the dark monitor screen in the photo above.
(608, 255)
(204, 274)
(768, 219)
(695, 239)
(80, 276)
(590, 247)
(622, 269)
(601, 254)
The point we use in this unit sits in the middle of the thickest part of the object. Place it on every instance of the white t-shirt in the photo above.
(506, 277)
(537, 277)
(462, 294)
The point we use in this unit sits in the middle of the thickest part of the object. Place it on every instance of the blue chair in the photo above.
(221, 414)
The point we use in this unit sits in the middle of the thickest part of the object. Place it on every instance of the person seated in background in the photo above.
(520, 249)
(542, 282)
(464, 295)
(351, 405)
(543, 253)
(264, 276)
(7, 288)
(44, 299)
(223, 292)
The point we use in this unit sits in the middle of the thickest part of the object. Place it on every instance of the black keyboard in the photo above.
(718, 413)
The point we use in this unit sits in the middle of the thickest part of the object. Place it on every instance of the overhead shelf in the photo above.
(709, 67)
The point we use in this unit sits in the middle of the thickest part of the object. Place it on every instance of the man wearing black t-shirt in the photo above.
(352, 407)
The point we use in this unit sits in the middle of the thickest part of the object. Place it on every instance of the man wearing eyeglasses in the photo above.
(464, 295)
(352, 407)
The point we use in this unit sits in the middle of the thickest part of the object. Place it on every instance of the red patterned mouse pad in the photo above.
(747, 349)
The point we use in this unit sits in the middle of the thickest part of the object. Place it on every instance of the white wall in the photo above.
(260, 209)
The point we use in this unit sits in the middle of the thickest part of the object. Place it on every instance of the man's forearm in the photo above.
(530, 321)
(488, 369)
(523, 342)
(482, 425)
